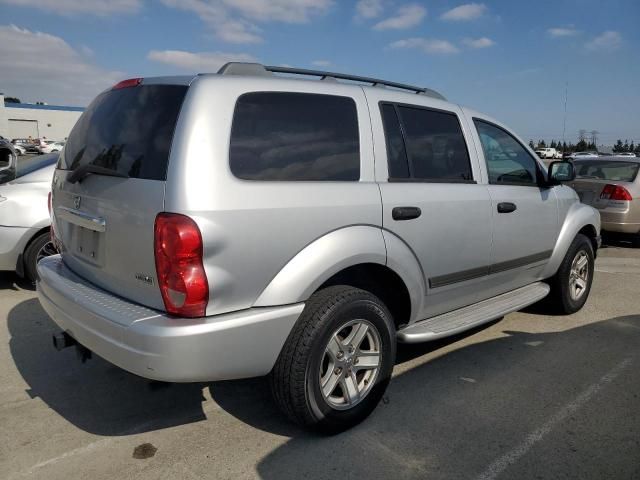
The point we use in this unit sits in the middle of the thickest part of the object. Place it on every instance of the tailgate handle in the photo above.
(97, 224)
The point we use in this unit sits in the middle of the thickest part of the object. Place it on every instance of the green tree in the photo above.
(531, 145)
(12, 100)
(618, 147)
(581, 146)
(541, 144)
(626, 145)
(632, 147)
(553, 144)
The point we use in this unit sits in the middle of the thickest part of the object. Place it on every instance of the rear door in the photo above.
(431, 198)
(109, 187)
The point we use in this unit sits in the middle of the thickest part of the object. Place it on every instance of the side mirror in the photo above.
(8, 160)
(560, 172)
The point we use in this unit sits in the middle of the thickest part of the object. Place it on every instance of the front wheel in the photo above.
(571, 285)
(337, 362)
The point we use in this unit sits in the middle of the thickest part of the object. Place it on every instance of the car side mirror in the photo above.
(560, 172)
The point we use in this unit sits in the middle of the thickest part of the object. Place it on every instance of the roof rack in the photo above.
(257, 69)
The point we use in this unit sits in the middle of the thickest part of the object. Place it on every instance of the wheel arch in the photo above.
(580, 219)
(356, 256)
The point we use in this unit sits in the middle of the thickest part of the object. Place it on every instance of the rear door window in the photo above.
(282, 136)
(127, 130)
(431, 140)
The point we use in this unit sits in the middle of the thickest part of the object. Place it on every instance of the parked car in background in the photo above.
(50, 146)
(612, 186)
(624, 154)
(583, 155)
(548, 153)
(24, 216)
(30, 145)
(260, 237)
(20, 150)
(8, 161)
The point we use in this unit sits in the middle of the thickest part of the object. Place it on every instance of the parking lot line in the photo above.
(503, 462)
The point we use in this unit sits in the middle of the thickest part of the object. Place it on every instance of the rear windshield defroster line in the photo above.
(128, 131)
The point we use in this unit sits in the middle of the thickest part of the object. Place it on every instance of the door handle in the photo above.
(506, 207)
(405, 213)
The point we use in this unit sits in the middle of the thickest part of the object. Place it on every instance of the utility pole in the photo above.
(582, 135)
(564, 121)
(594, 137)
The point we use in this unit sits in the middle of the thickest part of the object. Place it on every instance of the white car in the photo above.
(24, 216)
(624, 154)
(50, 146)
(20, 150)
(583, 155)
(548, 153)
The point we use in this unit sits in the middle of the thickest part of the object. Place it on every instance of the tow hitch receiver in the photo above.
(63, 340)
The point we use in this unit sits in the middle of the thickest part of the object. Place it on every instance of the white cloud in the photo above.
(427, 45)
(46, 68)
(605, 42)
(407, 16)
(482, 42)
(322, 63)
(233, 20)
(369, 8)
(71, 7)
(466, 12)
(199, 61)
(558, 32)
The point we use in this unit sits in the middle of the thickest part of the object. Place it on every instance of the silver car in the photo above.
(251, 222)
(24, 216)
(612, 185)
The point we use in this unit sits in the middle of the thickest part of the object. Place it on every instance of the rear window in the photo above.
(128, 130)
(286, 136)
(615, 171)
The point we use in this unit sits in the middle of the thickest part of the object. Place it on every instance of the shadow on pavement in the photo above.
(446, 417)
(11, 281)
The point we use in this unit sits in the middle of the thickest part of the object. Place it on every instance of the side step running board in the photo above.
(471, 316)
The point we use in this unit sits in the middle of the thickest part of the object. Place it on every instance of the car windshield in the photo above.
(606, 170)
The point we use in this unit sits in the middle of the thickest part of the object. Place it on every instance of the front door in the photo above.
(525, 213)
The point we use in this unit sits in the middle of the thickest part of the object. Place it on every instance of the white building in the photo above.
(24, 120)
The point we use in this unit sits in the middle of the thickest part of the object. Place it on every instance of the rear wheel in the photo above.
(571, 285)
(337, 362)
(40, 247)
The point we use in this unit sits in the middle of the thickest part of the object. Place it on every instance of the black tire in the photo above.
(563, 300)
(295, 378)
(32, 255)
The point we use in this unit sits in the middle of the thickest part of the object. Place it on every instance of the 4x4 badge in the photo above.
(76, 202)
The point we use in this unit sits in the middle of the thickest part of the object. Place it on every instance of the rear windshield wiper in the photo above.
(82, 172)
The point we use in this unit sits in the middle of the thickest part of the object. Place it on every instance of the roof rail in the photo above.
(244, 68)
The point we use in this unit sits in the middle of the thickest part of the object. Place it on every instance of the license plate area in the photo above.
(87, 245)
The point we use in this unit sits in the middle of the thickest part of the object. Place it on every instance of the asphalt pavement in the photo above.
(532, 396)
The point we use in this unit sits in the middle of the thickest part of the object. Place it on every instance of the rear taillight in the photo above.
(49, 204)
(130, 82)
(615, 192)
(181, 276)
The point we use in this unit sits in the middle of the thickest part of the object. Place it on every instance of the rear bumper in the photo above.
(154, 345)
(623, 222)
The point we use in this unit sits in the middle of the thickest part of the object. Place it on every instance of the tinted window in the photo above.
(615, 171)
(507, 160)
(127, 130)
(396, 151)
(295, 136)
(435, 145)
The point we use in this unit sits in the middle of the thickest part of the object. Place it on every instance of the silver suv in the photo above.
(251, 222)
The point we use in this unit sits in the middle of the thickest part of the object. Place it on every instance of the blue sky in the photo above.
(509, 59)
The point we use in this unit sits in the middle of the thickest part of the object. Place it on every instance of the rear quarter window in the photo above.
(282, 136)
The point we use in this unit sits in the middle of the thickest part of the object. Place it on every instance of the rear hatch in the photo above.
(593, 175)
(109, 187)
